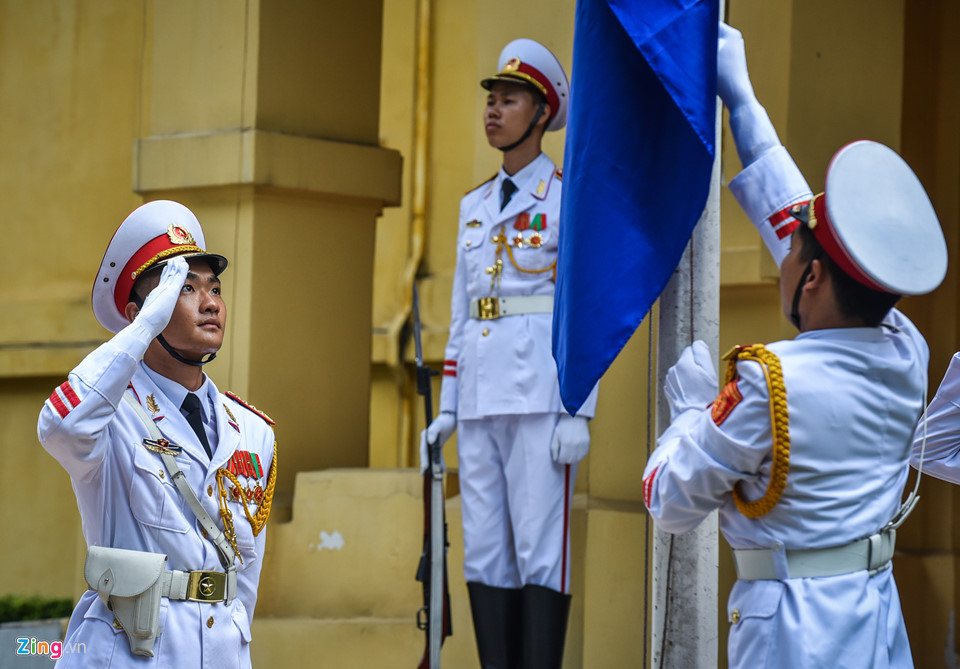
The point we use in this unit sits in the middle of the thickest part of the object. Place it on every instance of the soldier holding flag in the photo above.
(805, 450)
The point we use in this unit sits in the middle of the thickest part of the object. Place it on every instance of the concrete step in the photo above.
(351, 547)
(339, 576)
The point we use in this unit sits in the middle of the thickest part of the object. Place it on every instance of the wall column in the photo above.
(268, 130)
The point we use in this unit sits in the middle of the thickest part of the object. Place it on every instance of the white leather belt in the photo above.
(488, 308)
(873, 554)
(198, 586)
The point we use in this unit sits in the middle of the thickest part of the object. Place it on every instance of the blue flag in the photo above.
(637, 167)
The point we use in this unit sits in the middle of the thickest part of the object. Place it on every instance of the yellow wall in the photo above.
(69, 73)
(268, 117)
(244, 111)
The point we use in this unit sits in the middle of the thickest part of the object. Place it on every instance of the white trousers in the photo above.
(515, 502)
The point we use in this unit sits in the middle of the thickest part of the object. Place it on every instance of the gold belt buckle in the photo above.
(489, 308)
(206, 586)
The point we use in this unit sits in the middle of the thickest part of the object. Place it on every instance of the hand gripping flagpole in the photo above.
(432, 570)
(684, 629)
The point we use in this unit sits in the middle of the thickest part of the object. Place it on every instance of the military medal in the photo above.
(162, 446)
(248, 465)
(523, 223)
(474, 223)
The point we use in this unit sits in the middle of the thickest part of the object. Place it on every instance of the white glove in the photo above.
(753, 132)
(438, 431)
(733, 80)
(156, 311)
(571, 439)
(692, 382)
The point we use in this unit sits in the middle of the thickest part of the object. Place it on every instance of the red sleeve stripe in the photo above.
(787, 230)
(785, 214)
(449, 363)
(59, 405)
(449, 372)
(69, 394)
(64, 400)
(780, 216)
(648, 487)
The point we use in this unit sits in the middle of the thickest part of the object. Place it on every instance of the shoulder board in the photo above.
(485, 181)
(559, 173)
(250, 407)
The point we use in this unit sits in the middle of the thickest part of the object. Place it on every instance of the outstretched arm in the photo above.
(770, 183)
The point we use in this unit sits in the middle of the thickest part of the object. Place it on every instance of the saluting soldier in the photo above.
(518, 448)
(805, 451)
(174, 479)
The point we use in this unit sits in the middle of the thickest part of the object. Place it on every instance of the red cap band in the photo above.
(157, 249)
(826, 234)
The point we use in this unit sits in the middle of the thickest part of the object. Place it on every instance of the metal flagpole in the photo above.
(684, 600)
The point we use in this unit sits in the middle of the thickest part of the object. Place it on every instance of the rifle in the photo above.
(434, 617)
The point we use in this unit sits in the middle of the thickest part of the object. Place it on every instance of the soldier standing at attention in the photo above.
(173, 479)
(518, 448)
(805, 451)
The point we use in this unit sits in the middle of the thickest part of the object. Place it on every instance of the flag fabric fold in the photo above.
(637, 165)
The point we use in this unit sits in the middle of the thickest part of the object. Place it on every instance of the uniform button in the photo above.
(210, 621)
(117, 625)
(209, 491)
(468, 242)
(485, 332)
(203, 533)
(735, 616)
(161, 474)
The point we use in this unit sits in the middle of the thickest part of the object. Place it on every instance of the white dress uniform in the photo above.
(126, 500)
(853, 396)
(124, 491)
(500, 379)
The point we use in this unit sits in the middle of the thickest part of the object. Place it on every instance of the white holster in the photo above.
(130, 583)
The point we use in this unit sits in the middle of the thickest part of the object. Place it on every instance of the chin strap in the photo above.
(533, 124)
(795, 307)
(137, 300)
(179, 358)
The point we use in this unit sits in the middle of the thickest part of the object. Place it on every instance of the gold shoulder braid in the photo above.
(257, 520)
(780, 422)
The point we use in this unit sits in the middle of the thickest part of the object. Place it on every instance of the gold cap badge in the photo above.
(179, 236)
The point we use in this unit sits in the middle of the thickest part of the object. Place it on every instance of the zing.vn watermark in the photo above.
(55, 649)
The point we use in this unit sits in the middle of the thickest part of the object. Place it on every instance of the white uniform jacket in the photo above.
(941, 457)
(853, 397)
(126, 500)
(505, 366)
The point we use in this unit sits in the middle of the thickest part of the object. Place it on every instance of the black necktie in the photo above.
(507, 189)
(191, 404)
